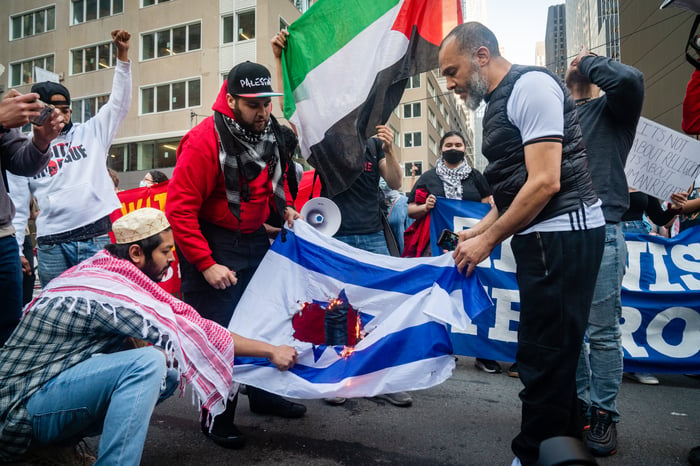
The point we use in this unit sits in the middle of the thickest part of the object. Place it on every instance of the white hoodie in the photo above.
(75, 189)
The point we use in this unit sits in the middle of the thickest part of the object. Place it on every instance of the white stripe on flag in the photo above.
(346, 78)
(407, 345)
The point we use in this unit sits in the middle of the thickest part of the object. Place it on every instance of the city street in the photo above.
(468, 420)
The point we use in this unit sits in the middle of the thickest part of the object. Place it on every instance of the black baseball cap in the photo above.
(47, 89)
(250, 80)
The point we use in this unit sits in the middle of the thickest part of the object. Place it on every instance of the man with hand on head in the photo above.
(24, 157)
(86, 379)
(544, 197)
(74, 192)
(230, 173)
(608, 123)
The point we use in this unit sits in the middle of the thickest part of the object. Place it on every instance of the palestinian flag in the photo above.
(345, 68)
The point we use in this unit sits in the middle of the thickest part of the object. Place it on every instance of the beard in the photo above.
(475, 89)
(152, 272)
(256, 127)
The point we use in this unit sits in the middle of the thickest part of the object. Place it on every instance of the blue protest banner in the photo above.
(660, 322)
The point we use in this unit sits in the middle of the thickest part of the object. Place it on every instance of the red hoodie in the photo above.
(197, 191)
(691, 105)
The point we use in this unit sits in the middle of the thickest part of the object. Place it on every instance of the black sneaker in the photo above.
(488, 365)
(584, 415)
(513, 370)
(601, 438)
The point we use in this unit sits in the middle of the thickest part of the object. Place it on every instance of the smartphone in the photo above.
(448, 240)
(43, 115)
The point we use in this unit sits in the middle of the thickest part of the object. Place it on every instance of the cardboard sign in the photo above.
(662, 161)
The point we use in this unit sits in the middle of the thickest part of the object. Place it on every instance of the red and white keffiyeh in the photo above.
(203, 349)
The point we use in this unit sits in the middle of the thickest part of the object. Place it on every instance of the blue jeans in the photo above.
(599, 372)
(398, 219)
(54, 259)
(112, 394)
(635, 226)
(10, 286)
(371, 242)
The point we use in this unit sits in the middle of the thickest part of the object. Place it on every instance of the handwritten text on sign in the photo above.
(662, 161)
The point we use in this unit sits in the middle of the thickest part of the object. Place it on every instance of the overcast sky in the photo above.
(518, 25)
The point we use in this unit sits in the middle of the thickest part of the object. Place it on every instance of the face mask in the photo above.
(142, 184)
(453, 156)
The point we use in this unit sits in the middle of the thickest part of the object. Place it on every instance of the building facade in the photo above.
(594, 24)
(555, 40)
(181, 52)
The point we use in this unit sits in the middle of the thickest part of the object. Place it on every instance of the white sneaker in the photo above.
(641, 377)
(335, 401)
(397, 399)
(516, 462)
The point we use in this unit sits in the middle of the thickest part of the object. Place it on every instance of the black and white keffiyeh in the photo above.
(452, 178)
(244, 155)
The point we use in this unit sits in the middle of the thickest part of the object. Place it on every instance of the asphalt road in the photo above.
(468, 420)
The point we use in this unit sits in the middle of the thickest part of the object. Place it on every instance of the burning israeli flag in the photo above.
(394, 332)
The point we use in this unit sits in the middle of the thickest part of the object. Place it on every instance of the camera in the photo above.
(43, 115)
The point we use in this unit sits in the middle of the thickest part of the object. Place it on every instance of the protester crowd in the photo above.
(114, 341)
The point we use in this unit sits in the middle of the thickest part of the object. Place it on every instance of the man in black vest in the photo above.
(544, 197)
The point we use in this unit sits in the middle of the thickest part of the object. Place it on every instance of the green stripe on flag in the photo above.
(322, 31)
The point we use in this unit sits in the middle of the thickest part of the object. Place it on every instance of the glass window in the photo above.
(178, 98)
(117, 6)
(104, 54)
(77, 107)
(163, 98)
(78, 11)
(40, 21)
(28, 25)
(145, 155)
(194, 93)
(16, 27)
(149, 2)
(102, 100)
(195, 37)
(408, 168)
(16, 72)
(105, 8)
(51, 19)
(246, 25)
(179, 40)
(27, 72)
(163, 38)
(91, 59)
(90, 10)
(413, 82)
(148, 47)
(117, 154)
(165, 153)
(227, 27)
(147, 100)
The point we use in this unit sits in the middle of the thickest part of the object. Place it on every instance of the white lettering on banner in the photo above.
(629, 323)
(505, 314)
(678, 254)
(690, 336)
(662, 283)
(505, 262)
(685, 257)
(465, 223)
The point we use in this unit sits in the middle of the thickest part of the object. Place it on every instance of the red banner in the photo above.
(155, 197)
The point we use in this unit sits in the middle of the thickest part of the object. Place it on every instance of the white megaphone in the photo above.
(322, 214)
